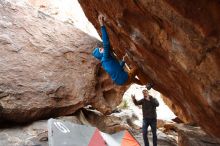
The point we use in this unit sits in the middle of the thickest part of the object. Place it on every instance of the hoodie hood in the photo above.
(97, 54)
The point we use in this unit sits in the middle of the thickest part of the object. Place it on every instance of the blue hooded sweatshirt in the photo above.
(110, 64)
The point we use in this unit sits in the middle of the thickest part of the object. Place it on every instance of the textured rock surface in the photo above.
(175, 44)
(194, 136)
(68, 12)
(34, 134)
(47, 68)
(110, 124)
(182, 115)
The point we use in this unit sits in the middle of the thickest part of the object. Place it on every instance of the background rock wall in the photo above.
(46, 67)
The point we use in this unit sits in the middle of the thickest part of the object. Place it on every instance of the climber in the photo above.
(110, 64)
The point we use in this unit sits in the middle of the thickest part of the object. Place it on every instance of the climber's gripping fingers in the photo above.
(126, 55)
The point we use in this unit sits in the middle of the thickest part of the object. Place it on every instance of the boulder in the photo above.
(112, 123)
(47, 69)
(194, 136)
(175, 44)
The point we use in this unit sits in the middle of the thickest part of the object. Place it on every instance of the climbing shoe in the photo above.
(149, 86)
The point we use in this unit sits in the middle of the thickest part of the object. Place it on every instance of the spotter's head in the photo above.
(145, 93)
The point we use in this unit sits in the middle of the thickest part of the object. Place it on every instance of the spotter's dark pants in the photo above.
(153, 124)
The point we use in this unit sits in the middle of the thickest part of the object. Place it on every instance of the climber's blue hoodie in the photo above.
(110, 64)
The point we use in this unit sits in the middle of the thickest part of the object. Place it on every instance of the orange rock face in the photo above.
(178, 111)
(175, 44)
(46, 68)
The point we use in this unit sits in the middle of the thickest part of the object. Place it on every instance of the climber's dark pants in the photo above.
(153, 124)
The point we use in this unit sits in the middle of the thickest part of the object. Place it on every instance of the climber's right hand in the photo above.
(132, 96)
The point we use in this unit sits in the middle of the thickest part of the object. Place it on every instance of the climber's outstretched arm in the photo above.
(106, 43)
(105, 39)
